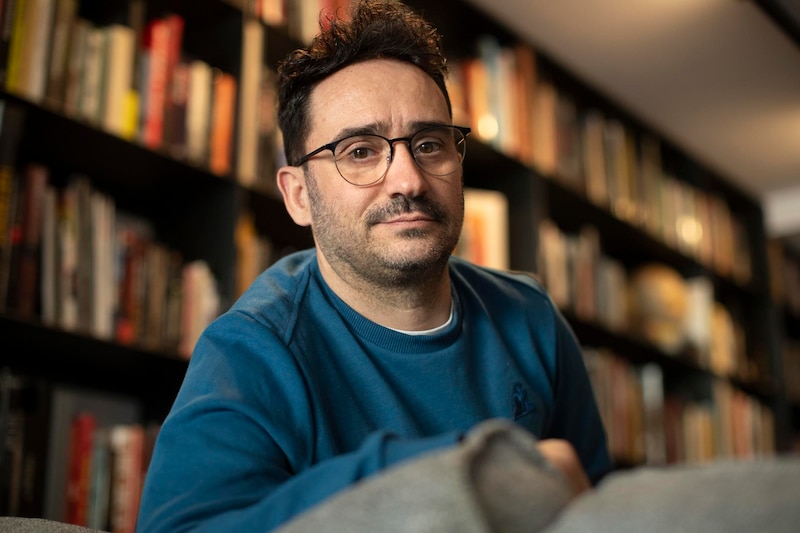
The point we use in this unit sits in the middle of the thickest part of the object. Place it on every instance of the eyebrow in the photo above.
(378, 128)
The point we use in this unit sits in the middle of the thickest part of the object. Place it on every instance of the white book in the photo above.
(79, 33)
(198, 112)
(90, 103)
(103, 255)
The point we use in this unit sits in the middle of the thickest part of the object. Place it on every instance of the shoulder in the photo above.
(274, 296)
(498, 284)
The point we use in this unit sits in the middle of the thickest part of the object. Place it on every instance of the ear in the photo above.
(292, 184)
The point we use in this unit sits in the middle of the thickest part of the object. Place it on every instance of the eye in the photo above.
(362, 148)
(431, 142)
(429, 147)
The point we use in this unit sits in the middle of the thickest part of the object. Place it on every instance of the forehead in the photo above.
(387, 95)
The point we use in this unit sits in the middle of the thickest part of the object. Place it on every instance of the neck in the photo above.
(414, 304)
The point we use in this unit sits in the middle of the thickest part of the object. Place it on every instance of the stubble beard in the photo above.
(357, 256)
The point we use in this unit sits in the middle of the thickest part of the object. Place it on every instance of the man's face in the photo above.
(407, 224)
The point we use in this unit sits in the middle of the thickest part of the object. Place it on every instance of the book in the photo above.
(253, 251)
(67, 242)
(173, 96)
(34, 82)
(90, 102)
(175, 134)
(155, 51)
(78, 37)
(81, 441)
(527, 79)
(26, 259)
(48, 279)
(12, 123)
(544, 128)
(63, 19)
(484, 238)
(8, 11)
(103, 258)
(127, 446)
(249, 94)
(28, 52)
(594, 165)
(198, 112)
(199, 304)
(118, 73)
(222, 123)
(20, 22)
(98, 498)
(66, 402)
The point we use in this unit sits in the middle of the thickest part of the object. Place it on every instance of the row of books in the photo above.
(75, 261)
(509, 103)
(135, 81)
(652, 301)
(71, 455)
(105, 472)
(646, 423)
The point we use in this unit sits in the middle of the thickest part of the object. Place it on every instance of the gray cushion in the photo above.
(9, 524)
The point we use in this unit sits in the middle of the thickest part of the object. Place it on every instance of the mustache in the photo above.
(400, 205)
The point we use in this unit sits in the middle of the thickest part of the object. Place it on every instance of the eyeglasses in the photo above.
(364, 159)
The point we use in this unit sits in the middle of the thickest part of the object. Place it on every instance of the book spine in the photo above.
(156, 50)
(12, 121)
(64, 17)
(224, 109)
(9, 10)
(80, 460)
(26, 267)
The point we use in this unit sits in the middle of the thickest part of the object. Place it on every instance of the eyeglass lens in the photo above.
(364, 159)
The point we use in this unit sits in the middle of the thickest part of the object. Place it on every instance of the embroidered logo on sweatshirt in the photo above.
(520, 403)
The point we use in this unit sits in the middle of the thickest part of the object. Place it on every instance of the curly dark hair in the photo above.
(374, 30)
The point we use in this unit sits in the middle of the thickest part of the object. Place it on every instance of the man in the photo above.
(377, 347)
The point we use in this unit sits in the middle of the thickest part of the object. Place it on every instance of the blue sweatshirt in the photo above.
(291, 395)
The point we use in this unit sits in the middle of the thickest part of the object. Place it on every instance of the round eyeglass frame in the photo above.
(463, 130)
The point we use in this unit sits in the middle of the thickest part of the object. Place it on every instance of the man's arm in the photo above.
(237, 451)
(576, 417)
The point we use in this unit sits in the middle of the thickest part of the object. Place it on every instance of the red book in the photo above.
(156, 49)
(78, 476)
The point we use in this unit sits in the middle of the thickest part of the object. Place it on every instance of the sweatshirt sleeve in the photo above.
(236, 451)
(576, 416)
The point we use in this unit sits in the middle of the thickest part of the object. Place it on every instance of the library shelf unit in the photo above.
(195, 212)
(558, 192)
(784, 262)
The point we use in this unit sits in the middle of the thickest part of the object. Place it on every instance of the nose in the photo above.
(404, 176)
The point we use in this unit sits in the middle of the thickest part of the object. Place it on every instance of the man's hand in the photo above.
(562, 455)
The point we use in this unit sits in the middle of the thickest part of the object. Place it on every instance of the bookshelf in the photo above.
(609, 200)
(784, 263)
(205, 214)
